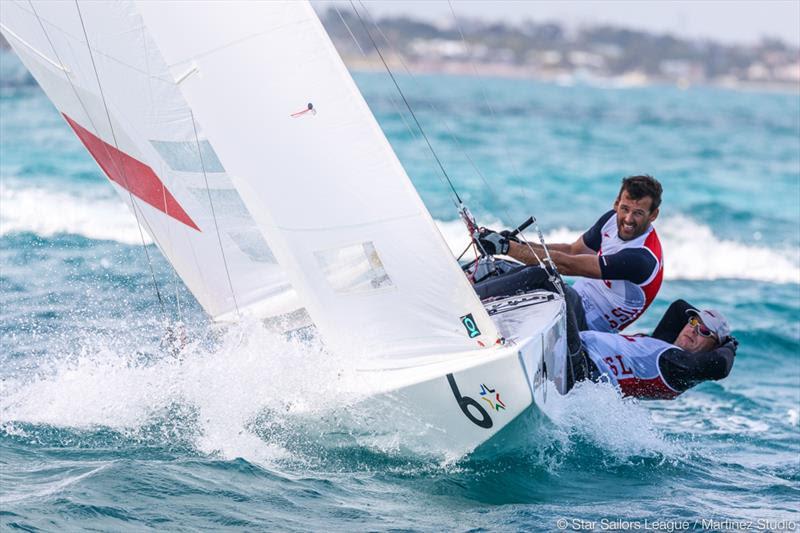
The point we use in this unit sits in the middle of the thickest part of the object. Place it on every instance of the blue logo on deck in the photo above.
(472, 327)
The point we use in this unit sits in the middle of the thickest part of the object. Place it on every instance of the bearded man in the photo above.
(618, 261)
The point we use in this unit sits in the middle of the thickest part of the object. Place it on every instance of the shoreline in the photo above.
(564, 78)
(632, 80)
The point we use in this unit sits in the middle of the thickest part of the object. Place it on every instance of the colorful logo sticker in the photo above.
(492, 397)
(472, 327)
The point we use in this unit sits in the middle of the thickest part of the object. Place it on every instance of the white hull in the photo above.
(450, 407)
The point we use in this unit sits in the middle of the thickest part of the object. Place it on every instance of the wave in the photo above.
(253, 395)
(704, 256)
(47, 213)
(623, 428)
(222, 397)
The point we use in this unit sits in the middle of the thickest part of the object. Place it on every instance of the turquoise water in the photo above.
(100, 430)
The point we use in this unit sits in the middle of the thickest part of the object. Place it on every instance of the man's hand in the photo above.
(731, 343)
(493, 243)
(508, 234)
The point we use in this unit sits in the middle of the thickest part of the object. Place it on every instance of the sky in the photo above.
(727, 21)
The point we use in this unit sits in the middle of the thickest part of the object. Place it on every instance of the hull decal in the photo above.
(486, 396)
(465, 402)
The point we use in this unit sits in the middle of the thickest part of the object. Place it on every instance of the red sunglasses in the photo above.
(701, 328)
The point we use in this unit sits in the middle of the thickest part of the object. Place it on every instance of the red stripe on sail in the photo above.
(131, 174)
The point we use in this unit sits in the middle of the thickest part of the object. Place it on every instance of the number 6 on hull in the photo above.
(464, 402)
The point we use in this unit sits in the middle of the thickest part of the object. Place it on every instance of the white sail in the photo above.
(204, 104)
(325, 186)
(120, 98)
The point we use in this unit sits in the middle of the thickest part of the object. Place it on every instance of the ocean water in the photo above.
(101, 430)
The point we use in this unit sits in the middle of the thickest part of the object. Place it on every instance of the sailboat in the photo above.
(237, 137)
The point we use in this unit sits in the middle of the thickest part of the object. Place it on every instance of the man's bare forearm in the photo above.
(563, 248)
(522, 251)
(571, 265)
(526, 252)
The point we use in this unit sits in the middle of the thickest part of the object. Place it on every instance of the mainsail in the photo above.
(236, 134)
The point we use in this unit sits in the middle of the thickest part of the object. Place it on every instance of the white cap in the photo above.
(713, 320)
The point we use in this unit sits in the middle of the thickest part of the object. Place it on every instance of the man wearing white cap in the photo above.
(653, 368)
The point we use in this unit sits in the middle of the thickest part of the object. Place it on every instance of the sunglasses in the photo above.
(701, 328)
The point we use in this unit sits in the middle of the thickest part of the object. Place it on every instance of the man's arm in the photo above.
(683, 370)
(564, 256)
(671, 324)
(576, 248)
(635, 265)
(588, 243)
(576, 259)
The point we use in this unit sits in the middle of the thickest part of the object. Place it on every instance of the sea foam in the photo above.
(623, 427)
(47, 213)
(215, 396)
(701, 255)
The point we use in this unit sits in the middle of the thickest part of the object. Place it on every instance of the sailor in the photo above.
(618, 261)
(653, 368)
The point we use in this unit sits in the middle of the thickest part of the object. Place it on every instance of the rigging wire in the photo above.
(411, 131)
(213, 214)
(462, 209)
(346, 25)
(446, 123)
(123, 173)
(510, 159)
(188, 241)
(436, 110)
(163, 189)
(460, 203)
(94, 126)
(552, 270)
